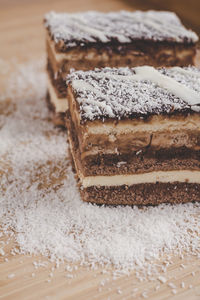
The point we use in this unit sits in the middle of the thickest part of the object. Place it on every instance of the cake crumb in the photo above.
(144, 295)
(172, 285)
(182, 266)
(190, 286)
(183, 285)
(162, 279)
(2, 252)
(119, 291)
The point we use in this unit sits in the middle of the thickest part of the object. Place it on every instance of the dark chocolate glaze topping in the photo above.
(137, 92)
(82, 29)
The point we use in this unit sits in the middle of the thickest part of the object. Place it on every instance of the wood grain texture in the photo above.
(22, 38)
(30, 283)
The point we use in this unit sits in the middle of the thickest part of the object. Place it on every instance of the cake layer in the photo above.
(133, 132)
(56, 97)
(131, 93)
(158, 132)
(132, 179)
(58, 118)
(140, 141)
(173, 132)
(60, 104)
(131, 146)
(136, 54)
(58, 69)
(84, 41)
(138, 189)
(150, 188)
(95, 28)
(132, 162)
(59, 83)
(143, 194)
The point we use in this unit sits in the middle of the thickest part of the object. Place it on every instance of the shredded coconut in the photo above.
(135, 92)
(162, 279)
(40, 202)
(172, 285)
(182, 284)
(2, 252)
(80, 29)
(144, 295)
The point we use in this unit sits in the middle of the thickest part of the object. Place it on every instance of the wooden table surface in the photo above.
(22, 37)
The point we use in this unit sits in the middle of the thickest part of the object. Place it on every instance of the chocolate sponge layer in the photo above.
(143, 194)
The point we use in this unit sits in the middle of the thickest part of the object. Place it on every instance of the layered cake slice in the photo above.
(83, 41)
(134, 134)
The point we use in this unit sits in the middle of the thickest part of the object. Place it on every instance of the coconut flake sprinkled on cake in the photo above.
(41, 206)
(80, 29)
(135, 92)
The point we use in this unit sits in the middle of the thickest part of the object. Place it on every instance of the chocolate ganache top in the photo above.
(83, 29)
(119, 93)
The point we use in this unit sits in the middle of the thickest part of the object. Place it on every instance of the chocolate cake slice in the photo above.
(84, 41)
(134, 134)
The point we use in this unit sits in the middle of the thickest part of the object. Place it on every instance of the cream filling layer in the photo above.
(151, 177)
(60, 104)
(157, 123)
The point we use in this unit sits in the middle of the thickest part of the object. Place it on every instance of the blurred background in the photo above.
(188, 10)
(22, 34)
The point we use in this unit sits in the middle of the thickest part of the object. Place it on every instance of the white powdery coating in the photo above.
(123, 26)
(48, 216)
(114, 93)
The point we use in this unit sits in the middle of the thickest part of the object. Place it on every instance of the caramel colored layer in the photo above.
(173, 159)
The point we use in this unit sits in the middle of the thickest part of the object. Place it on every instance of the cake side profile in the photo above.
(134, 134)
(84, 41)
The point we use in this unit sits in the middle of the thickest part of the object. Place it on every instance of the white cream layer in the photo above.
(157, 124)
(151, 177)
(60, 104)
